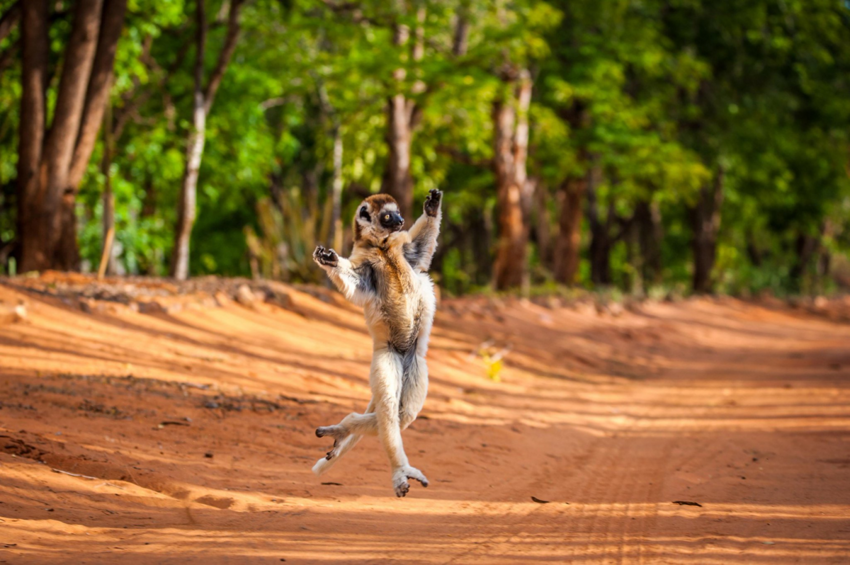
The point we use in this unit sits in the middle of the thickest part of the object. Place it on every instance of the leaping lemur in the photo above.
(387, 274)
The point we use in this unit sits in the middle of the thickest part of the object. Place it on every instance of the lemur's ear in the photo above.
(364, 213)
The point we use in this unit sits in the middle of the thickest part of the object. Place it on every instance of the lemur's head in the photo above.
(376, 218)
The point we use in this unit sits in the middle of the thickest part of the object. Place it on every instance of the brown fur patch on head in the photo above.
(377, 202)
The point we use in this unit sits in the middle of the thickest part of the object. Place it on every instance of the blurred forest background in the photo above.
(644, 146)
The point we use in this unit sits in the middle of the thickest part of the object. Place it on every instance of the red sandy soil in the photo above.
(186, 435)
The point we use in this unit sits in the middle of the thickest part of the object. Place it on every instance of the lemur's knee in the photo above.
(406, 418)
(364, 424)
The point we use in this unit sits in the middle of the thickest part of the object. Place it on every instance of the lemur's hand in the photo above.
(326, 257)
(432, 202)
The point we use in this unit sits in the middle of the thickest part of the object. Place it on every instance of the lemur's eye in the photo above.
(386, 217)
(364, 213)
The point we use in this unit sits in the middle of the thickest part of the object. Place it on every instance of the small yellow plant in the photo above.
(493, 359)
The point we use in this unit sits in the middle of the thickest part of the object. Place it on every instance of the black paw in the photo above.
(401, 479)
(432, 202)
(327, 257)
(402, 489)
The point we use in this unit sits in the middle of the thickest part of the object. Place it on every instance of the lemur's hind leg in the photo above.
(354, 423)
(386, 381)
(414, 391)
(405, 394)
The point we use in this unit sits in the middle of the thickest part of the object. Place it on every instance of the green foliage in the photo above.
(657, 95)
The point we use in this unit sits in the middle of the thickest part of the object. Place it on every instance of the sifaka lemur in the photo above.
(387, 274)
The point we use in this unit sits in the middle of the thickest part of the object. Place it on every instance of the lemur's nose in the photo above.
(397, 220)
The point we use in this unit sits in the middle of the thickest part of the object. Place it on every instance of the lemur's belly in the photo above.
(407, 298)
(400, 319)
(404, 320)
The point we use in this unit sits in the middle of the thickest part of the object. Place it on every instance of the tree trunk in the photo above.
(194, 152)
(97, 95)
(600, 232)
(633, 279)
(149, 199)
(705, 220)
(542, 224)
(108, 195)
(46, 204)
(567, 247)
(108, 212)
(36, 49)
(402, 120)
(824, 258)
(202, 104)
(150, 266)
(336, 191)
(57, 213)
(460, 41)
(648, 224)
(806, 247)
(397, 180)
(754, 252)
(572, 191)
(510, 119)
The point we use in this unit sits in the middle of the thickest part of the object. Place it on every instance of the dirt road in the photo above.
(188, 437)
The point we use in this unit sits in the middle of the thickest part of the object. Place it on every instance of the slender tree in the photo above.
(202, 101)
(403, 115)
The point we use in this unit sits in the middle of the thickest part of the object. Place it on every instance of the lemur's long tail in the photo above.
(324, 464)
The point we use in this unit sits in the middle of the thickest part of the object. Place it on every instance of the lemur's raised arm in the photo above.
(355, 283)
(423, 234)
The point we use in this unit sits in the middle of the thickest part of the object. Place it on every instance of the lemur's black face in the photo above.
(390, 220)
(377, 217)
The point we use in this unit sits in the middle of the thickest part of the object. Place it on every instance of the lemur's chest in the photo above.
(399, 303)
(391, 276)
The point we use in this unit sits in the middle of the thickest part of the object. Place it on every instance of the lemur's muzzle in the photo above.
(392, 221)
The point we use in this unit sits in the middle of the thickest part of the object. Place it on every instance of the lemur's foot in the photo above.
(401, 476)
(338, 433)
(326, 257)
(432, 202)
